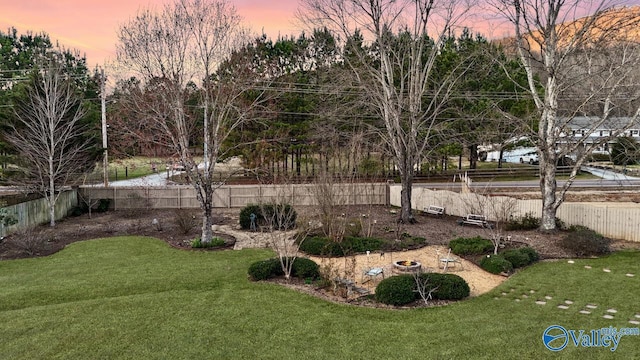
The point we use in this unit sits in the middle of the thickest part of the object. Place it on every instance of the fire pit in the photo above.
(406, 266)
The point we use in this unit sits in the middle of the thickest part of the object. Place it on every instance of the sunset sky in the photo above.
(90, 26)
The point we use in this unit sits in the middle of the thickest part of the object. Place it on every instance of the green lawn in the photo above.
(137, 298)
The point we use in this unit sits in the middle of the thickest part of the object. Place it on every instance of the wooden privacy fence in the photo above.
(36, 212)
(614, 220)
(184, 197)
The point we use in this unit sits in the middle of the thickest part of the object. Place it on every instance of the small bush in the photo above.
(265, 269)
(305, 269)
(516, 257)
(448, 286)
(527, 222)
(531, 253)
(585, 242)
(283, 216)
(245, 215)
(396, 290)
(185, 221)
(103, 205)
(31, 241)
(470, 246)
(353, 227)
(215, 242)
(496, 264)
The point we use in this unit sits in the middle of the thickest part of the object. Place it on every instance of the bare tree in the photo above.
(395, 73)
(581, 59)
(49, 135)
(185, 44)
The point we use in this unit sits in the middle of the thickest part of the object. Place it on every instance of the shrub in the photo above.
(396, 290)
(103, 205)
(215, 242)
(527, 222)
(516, 257)
(353, 227)
(265, 269)
(470, 246)
(531, 253)
(448, 286)
(496, 264)
(185, 221)
(352, 245)
(30, 241)
(323, 246)
(285, 216)
(305, 269)
(585, 242)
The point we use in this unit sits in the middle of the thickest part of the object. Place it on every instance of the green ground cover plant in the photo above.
(138, 298)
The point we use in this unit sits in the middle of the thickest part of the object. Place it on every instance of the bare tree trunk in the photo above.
(548, 188)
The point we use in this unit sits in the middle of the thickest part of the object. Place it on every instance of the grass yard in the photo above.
(137, 298)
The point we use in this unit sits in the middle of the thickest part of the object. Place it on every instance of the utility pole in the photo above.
(105, 159)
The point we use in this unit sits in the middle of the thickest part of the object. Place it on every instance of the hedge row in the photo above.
(470, 246)
(508, 260)
(402, 289)
(302, 268)
(323, 246)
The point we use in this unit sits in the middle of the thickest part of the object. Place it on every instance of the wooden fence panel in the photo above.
(618, 221)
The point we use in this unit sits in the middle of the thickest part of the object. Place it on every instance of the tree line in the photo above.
(368, 84)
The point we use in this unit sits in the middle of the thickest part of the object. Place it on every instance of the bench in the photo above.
(477, 220)
(434, 210)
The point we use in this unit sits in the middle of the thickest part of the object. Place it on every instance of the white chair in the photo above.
(447, 261)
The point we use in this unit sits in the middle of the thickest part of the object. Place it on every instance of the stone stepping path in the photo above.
(586, 312)
(568, 302)
(587, 267)
(548, 297)
(591, 306)
(540, 302)
(634, 322)
(606, 270)
(612, 311)
(563, 307)
(630, 275)
(608, 316)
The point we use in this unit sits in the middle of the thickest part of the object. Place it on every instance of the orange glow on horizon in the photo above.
(90, 27)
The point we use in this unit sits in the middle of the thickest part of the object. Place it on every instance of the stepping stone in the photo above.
(637, 316)
(630, 275)
(525, 296)
(496, 298)
(612, 311)
(532, 291)
(606, 270)
(548, 297)
(571, 261)
(634, 322)
(586, 312)
(504, 294)
(568, 302)
(540, 302)
(608, 317)
(587, 267)
(591, 306)
(518, 300)
(563, 307)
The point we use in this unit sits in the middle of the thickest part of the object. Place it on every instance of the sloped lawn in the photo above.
(137, 298)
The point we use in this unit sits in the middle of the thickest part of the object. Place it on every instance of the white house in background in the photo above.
(580, 126)
(576, 128)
